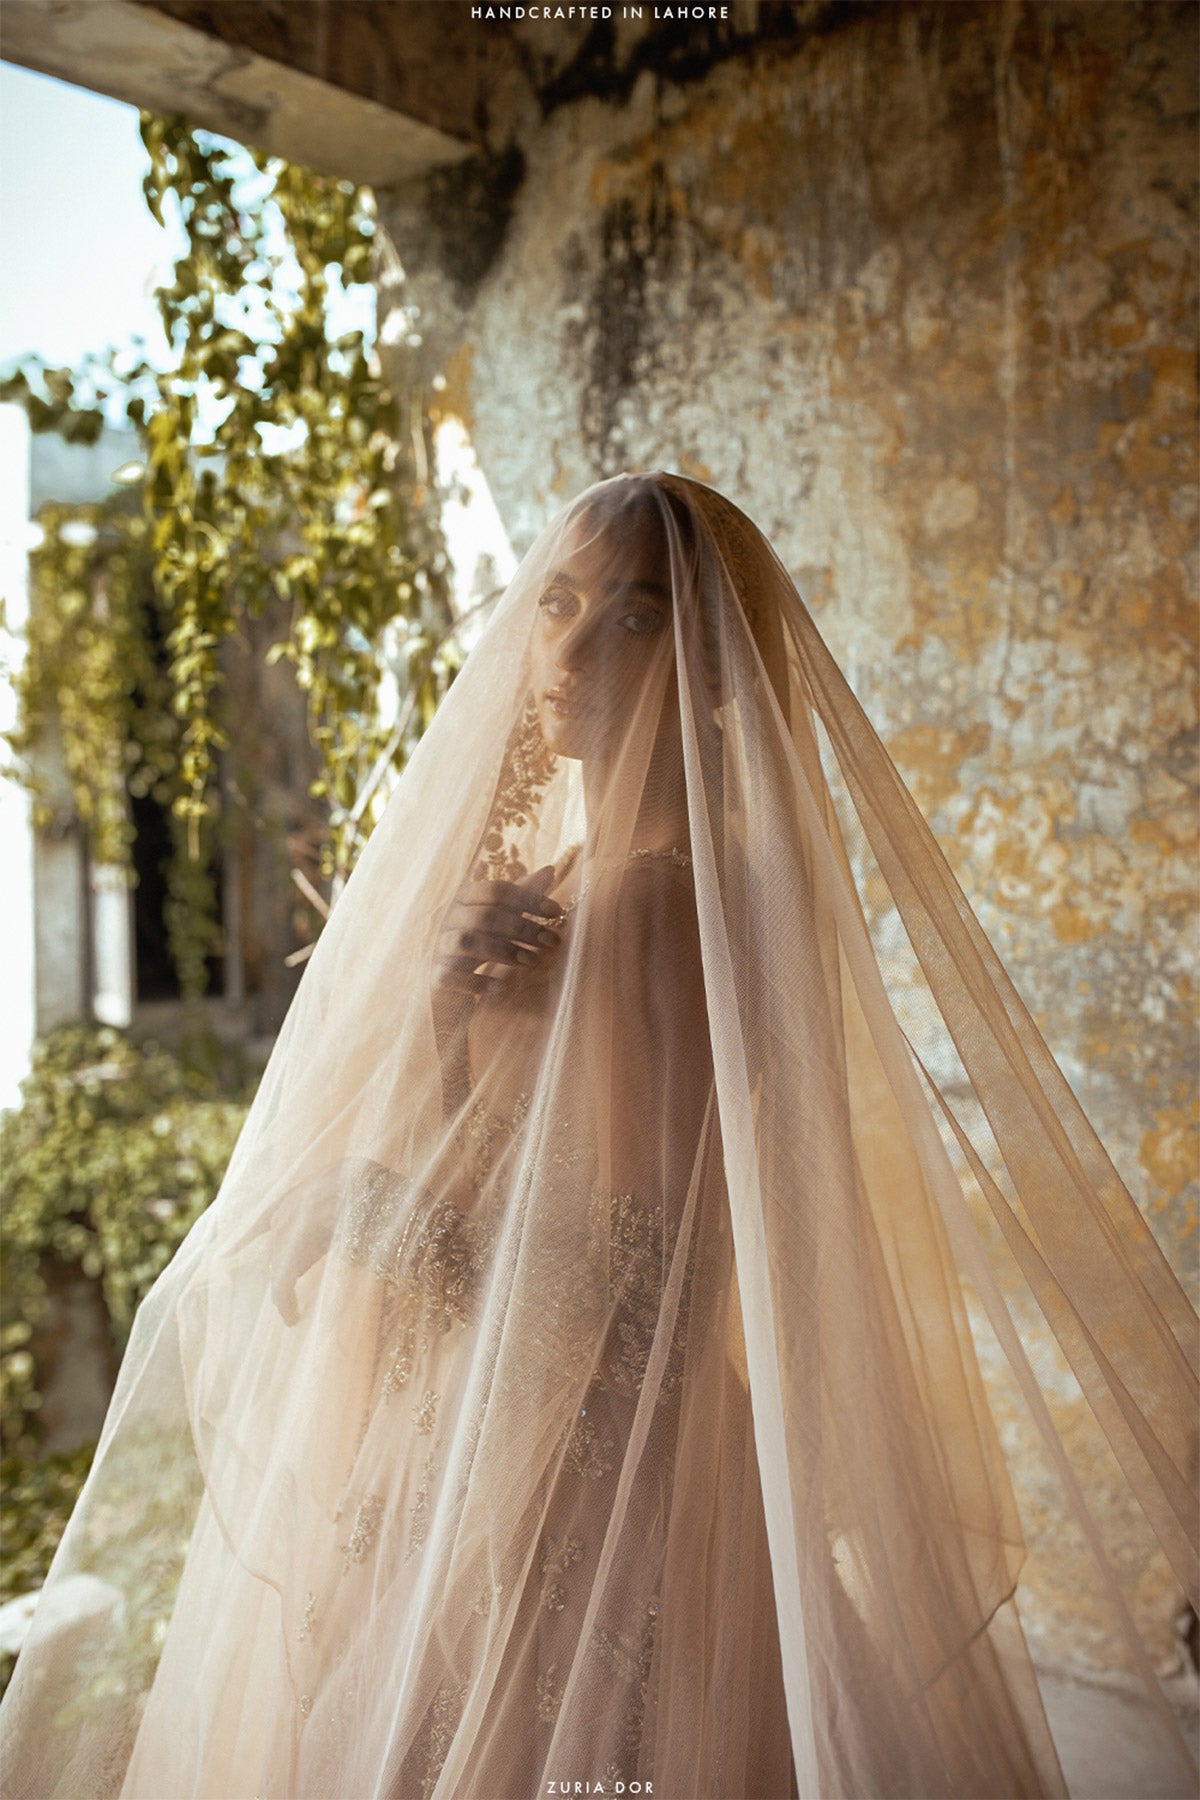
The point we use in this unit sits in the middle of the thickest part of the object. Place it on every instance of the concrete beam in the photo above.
(347, 89)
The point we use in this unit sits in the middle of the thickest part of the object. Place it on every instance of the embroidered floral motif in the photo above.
(425, 1415)
(427, 1251)
(418, 1512)
(443, 1721)
(549, 1694)
(525, 774)
(400, 1364)
(483, 1131)
(555, 1561)
(366, 1524)
(585, 1454)
(485, 1599)
(640, 1252)
(308, 1623)
(629, 1656)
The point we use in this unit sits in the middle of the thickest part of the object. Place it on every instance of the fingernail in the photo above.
(527, 956)
(549, 938)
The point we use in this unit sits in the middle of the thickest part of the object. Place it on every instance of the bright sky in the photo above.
(77, 243)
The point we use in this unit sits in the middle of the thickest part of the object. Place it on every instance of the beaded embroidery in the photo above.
(425, 1415)
(426, 1248)
(443, 1720)
(554, 1562)
(486, 1598)
(362, 1534)
(525, 774)
(679, 859)
(418, 1512)
(549, 1694)
(585, 1454)
(629, 1658)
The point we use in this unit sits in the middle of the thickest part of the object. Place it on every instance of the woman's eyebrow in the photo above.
(655, 588)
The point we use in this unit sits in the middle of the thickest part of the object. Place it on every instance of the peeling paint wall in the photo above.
(920, 293)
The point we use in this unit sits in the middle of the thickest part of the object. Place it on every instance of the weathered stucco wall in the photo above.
(920, 293)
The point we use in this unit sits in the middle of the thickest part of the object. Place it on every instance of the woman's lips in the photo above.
(566, 706)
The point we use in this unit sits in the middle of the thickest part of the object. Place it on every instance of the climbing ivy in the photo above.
(282, 477)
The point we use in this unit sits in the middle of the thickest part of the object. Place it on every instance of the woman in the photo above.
(571, 1383)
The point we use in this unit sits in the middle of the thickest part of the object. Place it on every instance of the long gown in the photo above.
(581, 1390)
(400, 1412)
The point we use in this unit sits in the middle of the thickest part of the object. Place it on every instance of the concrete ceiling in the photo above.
(371, 91)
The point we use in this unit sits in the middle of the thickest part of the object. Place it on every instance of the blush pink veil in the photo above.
(573, 1380)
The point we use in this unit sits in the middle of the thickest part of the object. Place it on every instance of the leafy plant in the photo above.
(36, 1498)
(282, 478)
(114, 1153)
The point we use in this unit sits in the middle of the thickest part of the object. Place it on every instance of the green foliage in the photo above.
(281, 476)
(35, 1503)
(36, 1499)
(90, 673)
(113, 1154)
(147, 1490)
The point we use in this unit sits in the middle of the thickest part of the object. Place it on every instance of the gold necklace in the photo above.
(678, 858)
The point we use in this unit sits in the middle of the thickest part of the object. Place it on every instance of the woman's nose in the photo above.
(576, 649)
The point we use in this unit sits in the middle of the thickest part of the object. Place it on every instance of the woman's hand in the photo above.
(494, 929)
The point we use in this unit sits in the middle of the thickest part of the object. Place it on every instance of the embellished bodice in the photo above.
(435, 1257)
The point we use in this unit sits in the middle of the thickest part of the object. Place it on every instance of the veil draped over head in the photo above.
(572, 1381)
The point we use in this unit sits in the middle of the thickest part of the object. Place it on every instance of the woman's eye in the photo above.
(558, 602)
(643, 624)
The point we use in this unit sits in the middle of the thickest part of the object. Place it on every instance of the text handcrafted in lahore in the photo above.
(599, 12)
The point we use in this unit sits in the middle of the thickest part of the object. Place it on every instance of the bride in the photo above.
(571, 1389)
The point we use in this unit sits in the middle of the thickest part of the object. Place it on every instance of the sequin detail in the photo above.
(418, 1512)
(427, 1250)
(443, 1720)
(586, 1453)
(525, 774)
(549, 1694)
(362, 1534)
(555, 1561)
(678, 858)
(640, 1252)
(308, 1623)
(484, 1135)
(425, 1415)
(629, 1656)
(486, 1598)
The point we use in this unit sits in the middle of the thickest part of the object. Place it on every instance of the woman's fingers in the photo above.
(487, 946)
(495, 928)
(501, 923)
(529, 897)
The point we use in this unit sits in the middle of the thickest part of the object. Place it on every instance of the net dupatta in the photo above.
(573, 1380)
(1088, 1257)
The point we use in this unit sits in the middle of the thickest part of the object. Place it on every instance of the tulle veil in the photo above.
(572, 1381)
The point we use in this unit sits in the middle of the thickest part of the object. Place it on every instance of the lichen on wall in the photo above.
(920, 293)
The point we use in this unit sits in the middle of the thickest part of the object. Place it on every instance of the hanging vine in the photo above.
(281, 476)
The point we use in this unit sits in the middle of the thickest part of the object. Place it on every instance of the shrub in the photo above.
(114, 1152)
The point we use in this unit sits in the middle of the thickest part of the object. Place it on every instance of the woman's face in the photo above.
(600, 622)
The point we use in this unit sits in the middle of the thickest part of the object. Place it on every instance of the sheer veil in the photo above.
(572, 1381)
